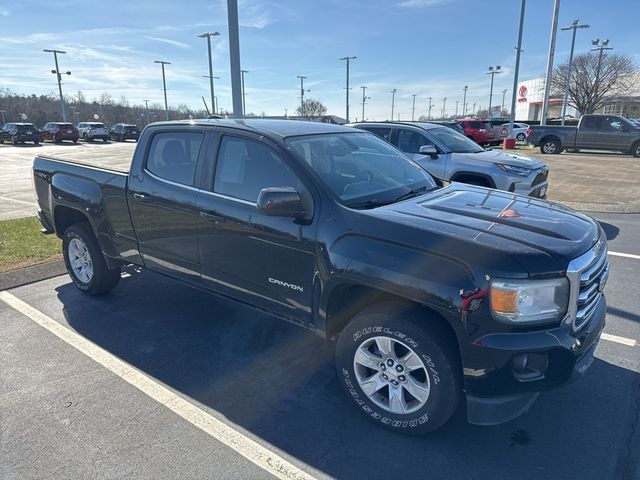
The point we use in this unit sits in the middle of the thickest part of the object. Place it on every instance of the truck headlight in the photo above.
(522, 171)
(529, 301)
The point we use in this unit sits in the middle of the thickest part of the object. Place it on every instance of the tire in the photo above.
(104, 140)
(85, 262)
(388, 338)
(36, 142)
(521, 137)
(635, 150)
(14, 141)
(550, 146)
(75, 140)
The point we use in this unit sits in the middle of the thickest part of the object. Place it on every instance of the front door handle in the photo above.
(212, 217)
(142, 197)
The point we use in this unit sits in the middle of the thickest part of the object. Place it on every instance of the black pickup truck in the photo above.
(434, 295)
(594, 132)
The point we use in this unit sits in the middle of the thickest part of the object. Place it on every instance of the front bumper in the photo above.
(498, 394)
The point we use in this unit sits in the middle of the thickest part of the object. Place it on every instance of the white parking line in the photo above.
(625, 255)
(221, 431)
(623, 340)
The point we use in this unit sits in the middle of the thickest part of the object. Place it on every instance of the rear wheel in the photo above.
(104, 140)
(521, 137)
(550, 146)
(635, 150)
(85, 262)
(400, 368)
(14, 141)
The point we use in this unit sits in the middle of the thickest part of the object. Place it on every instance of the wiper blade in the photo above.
(413, 193)
(368, 204)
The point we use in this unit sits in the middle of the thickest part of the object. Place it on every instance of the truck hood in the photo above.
(543, 237)
(497, 156)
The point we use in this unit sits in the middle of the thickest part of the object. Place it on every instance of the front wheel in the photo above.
(399, 368)
(550, 147)
(521, 137)
(85, 262)
(635, 150)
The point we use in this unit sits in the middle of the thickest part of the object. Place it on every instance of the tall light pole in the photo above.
(364, 100)
(244, 105)
(2, 112)
(413, 108)
(504, 93)
(552, 49)
(444, 106)
(429, 111)
(75, 115)
(234, 57)
(474, 109)
(164, 87)
(302, 94)
(348, 59)
(215, 97)
(58, 73)
(464, 101)
(208, 36)
(574, 26)
(393, 101)
(146, 109)
(512, 116)
(492, 71)
(600, 47)
(456, 109)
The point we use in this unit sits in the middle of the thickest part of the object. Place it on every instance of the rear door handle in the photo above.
(212, 217)
(142, 197)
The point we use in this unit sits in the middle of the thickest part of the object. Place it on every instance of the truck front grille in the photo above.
(588, 278)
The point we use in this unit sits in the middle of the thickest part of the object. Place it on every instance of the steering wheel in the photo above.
(364, 176)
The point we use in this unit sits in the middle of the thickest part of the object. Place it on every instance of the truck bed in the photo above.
(113, 163)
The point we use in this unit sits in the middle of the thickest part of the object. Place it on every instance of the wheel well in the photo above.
(474, 178)
(64, 217)
(347, 300)
(550, 137)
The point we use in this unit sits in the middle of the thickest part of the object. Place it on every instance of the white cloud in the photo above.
(422, 3)
(168, 41)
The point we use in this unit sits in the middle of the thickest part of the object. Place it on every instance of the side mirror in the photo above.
(280, 202)
(429, 150)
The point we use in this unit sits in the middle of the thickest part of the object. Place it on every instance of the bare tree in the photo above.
(595, 79)
(311, 108)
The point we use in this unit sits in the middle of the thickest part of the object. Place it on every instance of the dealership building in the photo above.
(530, 94)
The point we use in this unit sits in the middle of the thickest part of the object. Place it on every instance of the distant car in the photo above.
(520, 130)
(454, 125)
(480, 131)
(91, 131)
(58, 132)
(19, 133)
(122, 132)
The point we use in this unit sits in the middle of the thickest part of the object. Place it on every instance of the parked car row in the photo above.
(57, 132)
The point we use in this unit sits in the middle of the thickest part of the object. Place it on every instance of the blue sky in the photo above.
(424, 47)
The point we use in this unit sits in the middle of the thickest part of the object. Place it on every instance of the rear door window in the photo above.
(173, 156)
(382, 132)
(410, 141)
(591, 123)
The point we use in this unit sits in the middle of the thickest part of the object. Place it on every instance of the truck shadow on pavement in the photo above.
(277, 381)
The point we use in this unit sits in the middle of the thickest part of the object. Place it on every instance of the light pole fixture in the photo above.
(302, 90)
(600, 46)
(492, 71)
(244, 104)
(574, 26)
(393, 101)
(348, 59)
(164, 87)
(429, 111)
(208, 36)
(413, 108)
(58, 73)
(364, 100)
(464, 100)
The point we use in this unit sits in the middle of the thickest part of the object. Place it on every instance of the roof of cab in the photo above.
(278, 128)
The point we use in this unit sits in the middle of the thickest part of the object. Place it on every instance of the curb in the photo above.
(35, 273)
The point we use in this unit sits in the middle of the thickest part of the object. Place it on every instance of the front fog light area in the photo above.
(529, 301)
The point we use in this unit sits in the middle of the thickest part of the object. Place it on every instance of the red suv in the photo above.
(480, 131)
(59, 131)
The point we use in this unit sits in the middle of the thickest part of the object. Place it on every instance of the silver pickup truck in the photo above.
(594, 132)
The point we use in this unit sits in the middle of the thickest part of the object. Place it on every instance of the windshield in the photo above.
(455, 142)
(362, 169)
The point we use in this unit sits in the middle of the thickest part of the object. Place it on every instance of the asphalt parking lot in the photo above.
(262, 393)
